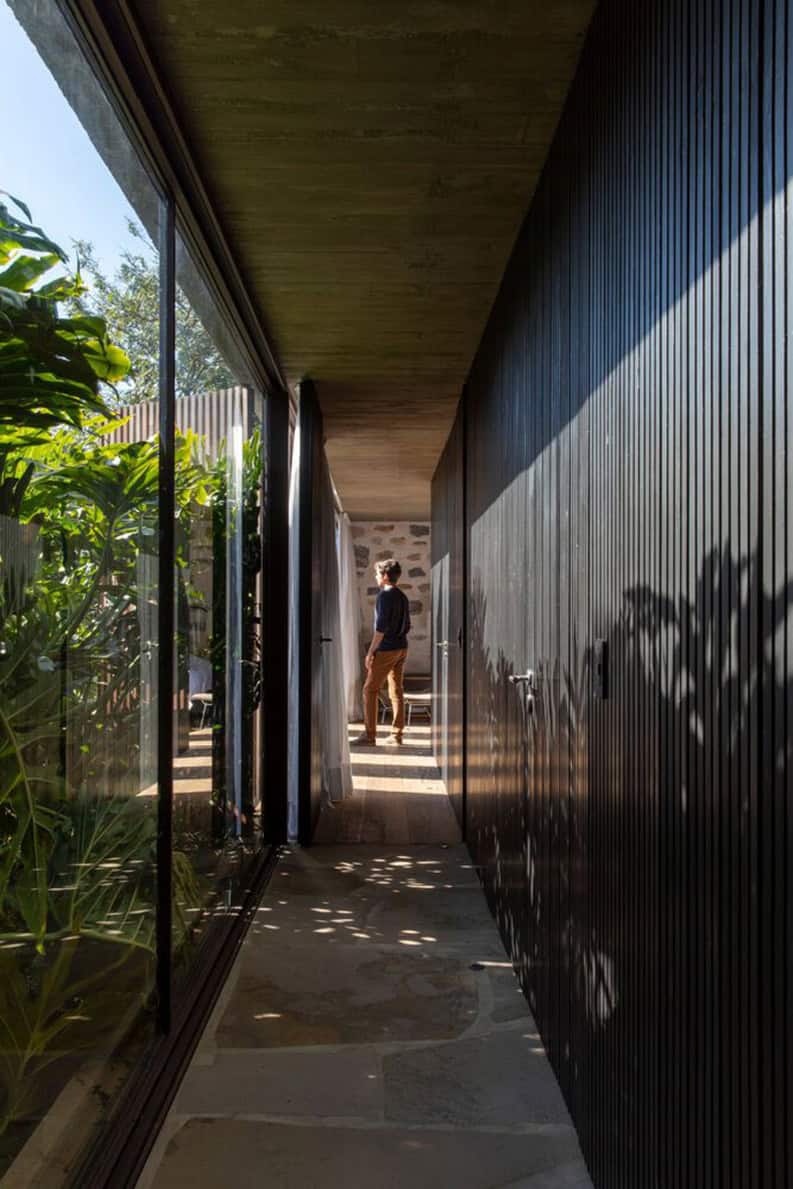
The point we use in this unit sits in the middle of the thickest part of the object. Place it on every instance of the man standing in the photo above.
(387, 654)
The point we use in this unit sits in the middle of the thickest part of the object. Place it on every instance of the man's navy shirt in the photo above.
(392, 618)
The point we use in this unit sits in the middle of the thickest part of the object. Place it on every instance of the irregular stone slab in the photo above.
(354, 996)
(419, 530)
(503, 1078)
(509, 1002)
(337, 1084)
(249, 1154)
(372, 1032)
(565, 1176)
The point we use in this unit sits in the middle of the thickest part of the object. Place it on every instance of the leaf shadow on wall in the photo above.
(633, 850)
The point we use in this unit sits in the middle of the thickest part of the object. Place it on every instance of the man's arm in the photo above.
(379, 629)
(377, 640)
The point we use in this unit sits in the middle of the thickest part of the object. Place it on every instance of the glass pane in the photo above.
(78, 600)
(217, 766)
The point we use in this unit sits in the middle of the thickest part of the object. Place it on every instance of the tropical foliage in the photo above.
(125, 302)
(79, 579)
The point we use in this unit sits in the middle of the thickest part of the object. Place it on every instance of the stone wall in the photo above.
(410, 545)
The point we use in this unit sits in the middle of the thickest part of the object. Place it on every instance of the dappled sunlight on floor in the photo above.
(356, 911)
(373, 1027)
(372, 1032)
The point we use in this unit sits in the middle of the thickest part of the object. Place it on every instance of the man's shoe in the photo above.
(362, 740)
(394, 741)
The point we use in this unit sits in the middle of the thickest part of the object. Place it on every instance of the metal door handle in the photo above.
(326, 639)
(526, 678)
(442, 644)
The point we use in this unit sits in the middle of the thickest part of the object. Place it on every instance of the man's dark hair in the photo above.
(390, 567)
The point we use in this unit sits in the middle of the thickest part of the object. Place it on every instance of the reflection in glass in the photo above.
(217, 785)
(79, 588)
(78, 624)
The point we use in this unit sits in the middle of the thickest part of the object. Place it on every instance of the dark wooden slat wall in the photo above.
(442, 530)
(447, 612)
(628, 479)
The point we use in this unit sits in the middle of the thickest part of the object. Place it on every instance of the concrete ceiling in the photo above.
(371, 163)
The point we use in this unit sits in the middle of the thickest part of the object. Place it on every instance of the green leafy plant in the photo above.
(77, 877)
(125, 302)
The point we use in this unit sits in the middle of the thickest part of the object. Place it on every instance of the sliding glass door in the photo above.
(130, 755)
(217, 823)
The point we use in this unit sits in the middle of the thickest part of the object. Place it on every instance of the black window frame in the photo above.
(111, 42)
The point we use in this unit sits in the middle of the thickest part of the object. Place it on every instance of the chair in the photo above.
(204, 700)
(200, 685)
(418, 702)
(383, 705)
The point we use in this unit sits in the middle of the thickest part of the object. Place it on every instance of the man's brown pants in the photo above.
(389, 664)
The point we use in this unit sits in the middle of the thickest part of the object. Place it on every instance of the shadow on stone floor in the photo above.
(372, 1033)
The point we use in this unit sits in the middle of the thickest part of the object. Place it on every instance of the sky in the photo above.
(48, 160)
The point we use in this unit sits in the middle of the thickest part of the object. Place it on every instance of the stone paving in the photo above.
(372, 1033)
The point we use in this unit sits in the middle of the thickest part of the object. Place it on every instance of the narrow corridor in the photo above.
(372, 1032)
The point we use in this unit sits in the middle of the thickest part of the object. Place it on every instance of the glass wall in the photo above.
(81, 583)
(217, 766)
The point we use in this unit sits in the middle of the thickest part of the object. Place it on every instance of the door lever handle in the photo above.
(526, 678)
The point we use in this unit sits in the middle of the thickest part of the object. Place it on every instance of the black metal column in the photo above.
(166, 609)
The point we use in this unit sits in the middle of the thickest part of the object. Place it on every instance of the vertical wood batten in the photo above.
(628, 479)
(447, 545)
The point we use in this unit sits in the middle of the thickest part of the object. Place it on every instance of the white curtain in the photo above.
(350, 612)
(292, 772)
(334, 741)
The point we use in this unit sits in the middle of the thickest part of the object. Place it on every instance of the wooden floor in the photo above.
(399, 797)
